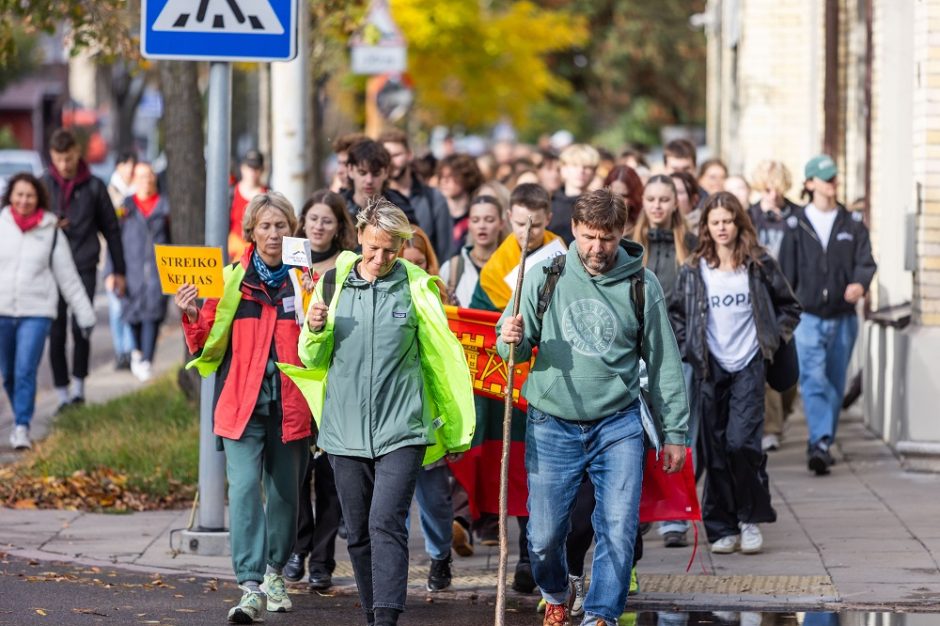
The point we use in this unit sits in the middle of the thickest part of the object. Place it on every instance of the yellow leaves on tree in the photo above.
(474, 66)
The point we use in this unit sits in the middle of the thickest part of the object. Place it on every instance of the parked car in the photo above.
(15, 161)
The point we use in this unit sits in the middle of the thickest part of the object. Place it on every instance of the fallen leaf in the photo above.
(41, 612)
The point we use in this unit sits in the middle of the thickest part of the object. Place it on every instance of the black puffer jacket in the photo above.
(776, 311)
(661, 245)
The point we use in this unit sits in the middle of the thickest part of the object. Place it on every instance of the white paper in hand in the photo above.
(295, 251)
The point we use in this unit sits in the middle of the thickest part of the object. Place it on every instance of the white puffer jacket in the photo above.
(32, 273)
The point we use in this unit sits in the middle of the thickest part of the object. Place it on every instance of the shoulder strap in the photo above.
(329, 285)
(638, 291)
(55, 239)
(553, 273)
(456, 271)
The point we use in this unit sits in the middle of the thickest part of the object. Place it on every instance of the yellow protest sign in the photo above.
(197, 265)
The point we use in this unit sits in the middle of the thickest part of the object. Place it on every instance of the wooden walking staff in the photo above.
(504, 461)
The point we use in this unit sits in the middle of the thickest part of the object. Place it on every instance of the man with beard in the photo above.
(607, 312)
(428, 203)
(367, 167)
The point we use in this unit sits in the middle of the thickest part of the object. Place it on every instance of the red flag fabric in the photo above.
(664, 496)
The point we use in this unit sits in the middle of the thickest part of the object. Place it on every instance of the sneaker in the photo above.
(770, 442)
(463, 540)
(675, 539)
(142, 370)
(319, 581)
(295, 567)
(122, 362)
(577, 601)
(819, 460)
(555, 615)
(19, 438)
(726, 545)
(751, 539)
(440, 576)
(634, 583)
(248, 610)
(273, 587)
(522, 580)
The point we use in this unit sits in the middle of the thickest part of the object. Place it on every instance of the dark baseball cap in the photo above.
(254, 159)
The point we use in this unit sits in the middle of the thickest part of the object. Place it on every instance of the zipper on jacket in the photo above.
(372, 424)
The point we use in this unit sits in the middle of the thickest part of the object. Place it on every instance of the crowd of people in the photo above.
(342, 395)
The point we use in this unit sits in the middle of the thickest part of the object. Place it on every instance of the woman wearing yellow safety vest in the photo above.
(260, 416)
(389, 385)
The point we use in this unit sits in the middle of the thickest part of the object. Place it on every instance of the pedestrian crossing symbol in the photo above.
(219, 30)
(231, 16)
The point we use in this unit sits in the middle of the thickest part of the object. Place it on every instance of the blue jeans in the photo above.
(436, 511)
(121, 334)
(824, 347)
(21, 342)
(558, 453)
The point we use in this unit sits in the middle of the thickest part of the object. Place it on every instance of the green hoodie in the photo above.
(587, 366)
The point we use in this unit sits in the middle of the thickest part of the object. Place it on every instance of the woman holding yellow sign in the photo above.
(261, 417)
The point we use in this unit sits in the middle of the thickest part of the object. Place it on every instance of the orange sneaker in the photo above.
(555, 615)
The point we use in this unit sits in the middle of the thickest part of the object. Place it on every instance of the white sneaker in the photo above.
(751, 539)
(770, 442)
(726, 545)
(19, 438)
(142, 370)
(577, 602)
(276, 591)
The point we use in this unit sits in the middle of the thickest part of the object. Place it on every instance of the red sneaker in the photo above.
(555, 615)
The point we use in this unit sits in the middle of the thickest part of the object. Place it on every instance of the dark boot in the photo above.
(385, 616)
(295, 567)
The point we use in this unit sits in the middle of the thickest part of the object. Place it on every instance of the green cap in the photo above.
(822, 167)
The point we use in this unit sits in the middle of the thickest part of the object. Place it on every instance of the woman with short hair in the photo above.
(389, 385)
(261, 417)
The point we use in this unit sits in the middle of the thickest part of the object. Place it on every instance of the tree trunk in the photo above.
(186, 168)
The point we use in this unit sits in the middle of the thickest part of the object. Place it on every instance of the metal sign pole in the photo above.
(210, 536)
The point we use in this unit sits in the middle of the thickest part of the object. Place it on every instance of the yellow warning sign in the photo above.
(197, 265)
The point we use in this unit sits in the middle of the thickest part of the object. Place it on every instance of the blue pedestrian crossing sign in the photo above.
(219, 30)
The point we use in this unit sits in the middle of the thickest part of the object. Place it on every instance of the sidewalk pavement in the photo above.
(865, 537)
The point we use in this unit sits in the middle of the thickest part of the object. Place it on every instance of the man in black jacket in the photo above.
(367, 167)
(84, 209)
(826, 256)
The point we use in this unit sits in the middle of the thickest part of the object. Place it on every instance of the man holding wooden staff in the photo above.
(593, 317)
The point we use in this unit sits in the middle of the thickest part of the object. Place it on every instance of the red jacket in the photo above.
(261, 317)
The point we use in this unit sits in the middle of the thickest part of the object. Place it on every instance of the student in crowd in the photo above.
(739, 186)
(826, 256)
(261, 418)
(623, 180)
(368, 164)
(575, 430)
(430, 207)
(750, 309)
(119, 188)
(712, 175)
(549, 171)
(416, 382)
(458, 178)
(35, 263)
(679, 155)
(689, 198)
(461, 272)
(341, 146)
(145, 222)
(769, 214)
(325, 222)
(667, 244)
(251, 171)
(83, 206)
(578, 165)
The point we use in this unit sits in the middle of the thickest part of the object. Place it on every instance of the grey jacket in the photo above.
(144, 300)
(375, 398)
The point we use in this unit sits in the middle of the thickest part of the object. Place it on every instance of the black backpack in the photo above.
(637, 289)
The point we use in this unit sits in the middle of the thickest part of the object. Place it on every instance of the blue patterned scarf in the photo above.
(272, 277)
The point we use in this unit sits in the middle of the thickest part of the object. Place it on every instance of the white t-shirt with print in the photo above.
(821, 221)
(731, 332)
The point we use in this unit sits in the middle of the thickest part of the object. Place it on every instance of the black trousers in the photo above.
(59, 332)
(318, 521)
(375, 495)
(736, 486)
(582, 531)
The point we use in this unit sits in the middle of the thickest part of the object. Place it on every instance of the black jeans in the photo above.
(375, 495)
(59, 332)
(736, 485)
(318, 522)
